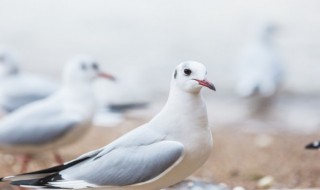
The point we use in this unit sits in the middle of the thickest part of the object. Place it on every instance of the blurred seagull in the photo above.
(158, 154)
(114, 113)
(19, 88)
(117, 102)
(260, 72)
(314, 145)
(124, 107)
(58, 120)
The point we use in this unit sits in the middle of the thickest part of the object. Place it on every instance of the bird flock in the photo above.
(41, 115)
(156, 155)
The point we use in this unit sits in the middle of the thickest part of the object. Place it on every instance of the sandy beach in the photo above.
(241, 155)
(235, 160)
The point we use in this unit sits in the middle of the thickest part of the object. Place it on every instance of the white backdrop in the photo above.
(140, 41)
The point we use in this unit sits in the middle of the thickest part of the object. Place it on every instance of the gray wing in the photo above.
(119, 108)
(24, 89)
(137, 157)
(35, 125)
(15, 102)
(124, 166)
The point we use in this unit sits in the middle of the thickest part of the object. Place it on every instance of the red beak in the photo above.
(206, 84)
(107, 76)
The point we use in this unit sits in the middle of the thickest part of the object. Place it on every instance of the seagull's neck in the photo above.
(76, 92)
(78, 98)
(183, 109)
(77, 86)
(181, 100)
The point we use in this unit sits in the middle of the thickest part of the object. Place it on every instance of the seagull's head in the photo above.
(191, 76)
(84, 69)
(8, 63)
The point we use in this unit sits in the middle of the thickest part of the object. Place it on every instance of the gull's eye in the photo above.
(95, 66)
(187, 72)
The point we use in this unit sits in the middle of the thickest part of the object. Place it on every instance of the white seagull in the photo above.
(19, 88)
(58, 120)
(158, 154)
(117, 101)
(260, 72)
(114, 113)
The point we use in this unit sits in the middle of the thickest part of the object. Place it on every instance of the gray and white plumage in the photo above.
(124, 107)
(57, 120)
(259, 71)
(115, 113)
(117, 101)
(158, 154)
(118, 97)
(26, 127)
(18, 88)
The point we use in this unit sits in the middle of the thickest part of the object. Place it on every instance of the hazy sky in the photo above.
(142, 40)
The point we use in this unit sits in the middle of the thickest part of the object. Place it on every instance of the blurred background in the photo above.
(140, 42)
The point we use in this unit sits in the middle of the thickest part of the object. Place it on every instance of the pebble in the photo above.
(239, 188)
(197, 185)
(265, 182)
(9, 159)
(263, 141)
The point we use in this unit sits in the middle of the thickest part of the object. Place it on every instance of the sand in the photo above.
(240, 157)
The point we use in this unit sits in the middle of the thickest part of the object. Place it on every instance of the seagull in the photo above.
(19, 88)
(118, 101)
(112, 114)
(260, 72)
(158, 154)
(314, 145)
(57, 120)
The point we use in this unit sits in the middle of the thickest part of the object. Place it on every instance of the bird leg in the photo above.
(57, 158)
(25, 162)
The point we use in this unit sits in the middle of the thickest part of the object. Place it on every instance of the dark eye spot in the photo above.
(95, 66)
(187, 72)
(175, 74)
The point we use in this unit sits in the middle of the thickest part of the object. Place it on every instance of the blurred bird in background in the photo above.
(18, 88)
(117, 101)
(112, 114)
(314, 145)
(57, 120)
(260, 72)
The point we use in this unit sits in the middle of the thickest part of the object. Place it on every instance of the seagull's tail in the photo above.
(42, 183)
(40, 179)
(33, 175)
(313, 145)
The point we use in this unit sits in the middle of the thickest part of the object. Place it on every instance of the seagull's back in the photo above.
(23, 88)
(37, 126)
